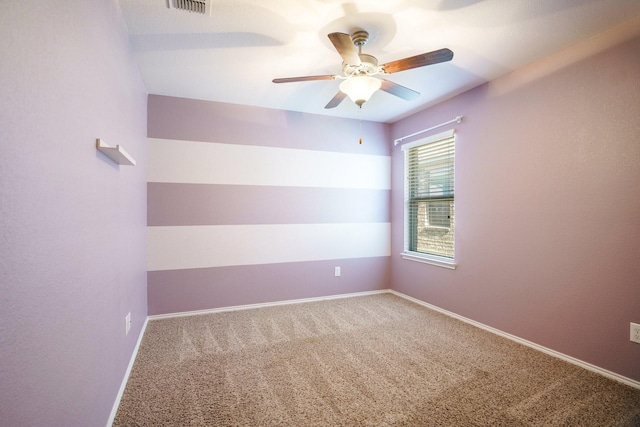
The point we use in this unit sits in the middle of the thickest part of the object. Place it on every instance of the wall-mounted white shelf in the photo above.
(117, 153)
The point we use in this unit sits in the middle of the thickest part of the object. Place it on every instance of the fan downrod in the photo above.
(360, 38)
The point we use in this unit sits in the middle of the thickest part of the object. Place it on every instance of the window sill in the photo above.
(429, 259)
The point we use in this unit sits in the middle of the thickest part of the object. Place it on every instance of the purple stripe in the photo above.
(174, 291)
(203, 204)
(206, 121)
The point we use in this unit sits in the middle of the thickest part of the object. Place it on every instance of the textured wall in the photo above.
(72, 224)
(249, 205)
(547, 204)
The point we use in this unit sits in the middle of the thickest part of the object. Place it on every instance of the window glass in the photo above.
(429, 190)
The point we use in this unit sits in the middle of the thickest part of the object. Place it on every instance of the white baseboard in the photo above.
(116, 404)
(266, 304)
(573, 360)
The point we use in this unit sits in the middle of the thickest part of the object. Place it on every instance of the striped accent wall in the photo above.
(255, 216)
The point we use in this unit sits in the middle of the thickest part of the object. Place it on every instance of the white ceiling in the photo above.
(233, 54)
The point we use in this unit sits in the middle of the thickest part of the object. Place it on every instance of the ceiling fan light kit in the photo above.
(360, 88)
(359, 68)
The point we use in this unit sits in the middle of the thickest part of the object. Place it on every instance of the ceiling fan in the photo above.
(359, 68)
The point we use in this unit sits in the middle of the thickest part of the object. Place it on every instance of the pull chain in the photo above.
(360, 120)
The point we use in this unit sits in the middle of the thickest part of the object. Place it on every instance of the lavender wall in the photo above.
(72, 223)
(547, 204)
(249, 205)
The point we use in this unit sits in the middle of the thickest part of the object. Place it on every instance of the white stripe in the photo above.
(211, 163)
(182, 247)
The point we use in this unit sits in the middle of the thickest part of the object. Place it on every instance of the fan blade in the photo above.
(399, 90)
(345, 47)
(435, 57)
(336, 100)
(303, 79)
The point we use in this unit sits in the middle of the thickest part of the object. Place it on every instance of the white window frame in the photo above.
(407, 254)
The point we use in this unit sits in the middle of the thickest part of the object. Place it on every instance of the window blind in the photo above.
(430, 197)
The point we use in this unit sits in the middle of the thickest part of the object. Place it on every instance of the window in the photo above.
(429, 199)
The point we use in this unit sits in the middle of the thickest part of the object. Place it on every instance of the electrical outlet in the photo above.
(127, 323)
(337, 271)
(635, 332)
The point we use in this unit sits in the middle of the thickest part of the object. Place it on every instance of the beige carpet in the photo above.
(375, 360)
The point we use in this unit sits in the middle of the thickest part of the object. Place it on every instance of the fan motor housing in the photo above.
(368, 66)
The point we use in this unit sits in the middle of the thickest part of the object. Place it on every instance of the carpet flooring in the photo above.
(376, 360)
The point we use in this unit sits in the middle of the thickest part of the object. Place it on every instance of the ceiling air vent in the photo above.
(195, 6)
